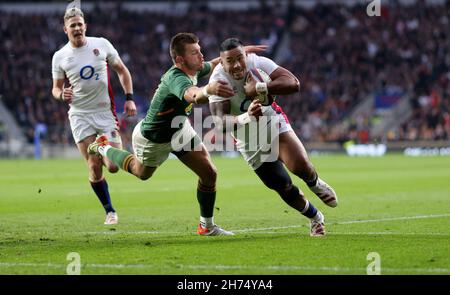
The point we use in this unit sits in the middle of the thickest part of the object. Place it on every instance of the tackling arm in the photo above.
(199, 95)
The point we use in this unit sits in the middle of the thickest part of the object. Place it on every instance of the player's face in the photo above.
(75, 29)
(234, 62)
(193, 57)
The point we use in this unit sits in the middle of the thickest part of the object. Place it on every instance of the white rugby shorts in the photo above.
(103, 123)
(258, 141)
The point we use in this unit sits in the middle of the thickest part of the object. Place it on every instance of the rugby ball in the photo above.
(260, 76)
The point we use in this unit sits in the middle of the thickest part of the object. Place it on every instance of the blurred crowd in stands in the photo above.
(341, 56)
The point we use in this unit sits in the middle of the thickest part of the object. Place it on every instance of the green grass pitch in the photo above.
(396, 206)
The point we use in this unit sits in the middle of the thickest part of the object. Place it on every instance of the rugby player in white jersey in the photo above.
(237, 112)
(80, 71)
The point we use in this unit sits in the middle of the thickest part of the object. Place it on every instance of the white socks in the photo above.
(103, 149)
(319, 217)
(207, 222)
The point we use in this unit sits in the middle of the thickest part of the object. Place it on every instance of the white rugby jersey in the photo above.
(86, 68)
(239, 103)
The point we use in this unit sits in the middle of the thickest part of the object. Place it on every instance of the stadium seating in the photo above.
(339, 53)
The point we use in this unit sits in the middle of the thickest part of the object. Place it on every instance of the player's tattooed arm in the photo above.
(283, 82)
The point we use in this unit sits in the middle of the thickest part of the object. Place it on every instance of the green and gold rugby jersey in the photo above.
(168, 103)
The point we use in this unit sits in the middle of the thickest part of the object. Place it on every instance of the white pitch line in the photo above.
(389, 233)
(229, 267)
(273, 232)
(141, 232)
(394, 218)
(268, 229)
(331, 233)
(349, 222)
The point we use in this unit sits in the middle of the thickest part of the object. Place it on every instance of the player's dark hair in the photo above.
(178, 41)
(230, 43)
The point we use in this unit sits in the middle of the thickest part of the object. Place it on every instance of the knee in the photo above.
(278, 183)
(282, 187)
(209, 175)
(304, 170)
(144, 177)
(113, 169)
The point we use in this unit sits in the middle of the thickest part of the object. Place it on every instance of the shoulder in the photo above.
(252, 57)
(172, 72)
(174, 75)
(98, 41)
(255, 57)
(218, 74)
(60, 53)
(262, 62)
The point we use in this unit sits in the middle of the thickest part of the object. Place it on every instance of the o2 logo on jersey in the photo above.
(87, 72)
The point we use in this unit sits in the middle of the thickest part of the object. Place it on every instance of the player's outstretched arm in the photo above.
(200, 95)
(255, 48)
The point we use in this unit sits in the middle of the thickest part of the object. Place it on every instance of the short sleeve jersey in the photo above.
(86, 68)
(168, 103)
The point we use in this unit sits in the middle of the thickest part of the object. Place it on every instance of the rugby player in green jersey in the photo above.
(166, 129)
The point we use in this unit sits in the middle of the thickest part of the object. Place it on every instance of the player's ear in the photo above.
(65, 29)
(179, 59)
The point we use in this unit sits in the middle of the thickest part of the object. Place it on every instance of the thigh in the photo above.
(199, 161)
(106, 123)
(94, 163)
(140, 170)
(292, 152)
(82, 130)
(83, 145)
(149, 154)
(262, 145)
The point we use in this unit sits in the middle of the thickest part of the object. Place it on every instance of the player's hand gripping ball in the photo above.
(259, 75)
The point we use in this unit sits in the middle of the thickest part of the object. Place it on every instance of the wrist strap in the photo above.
(129, 96)
(261, 88)
(205, 91)
(243, 119)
